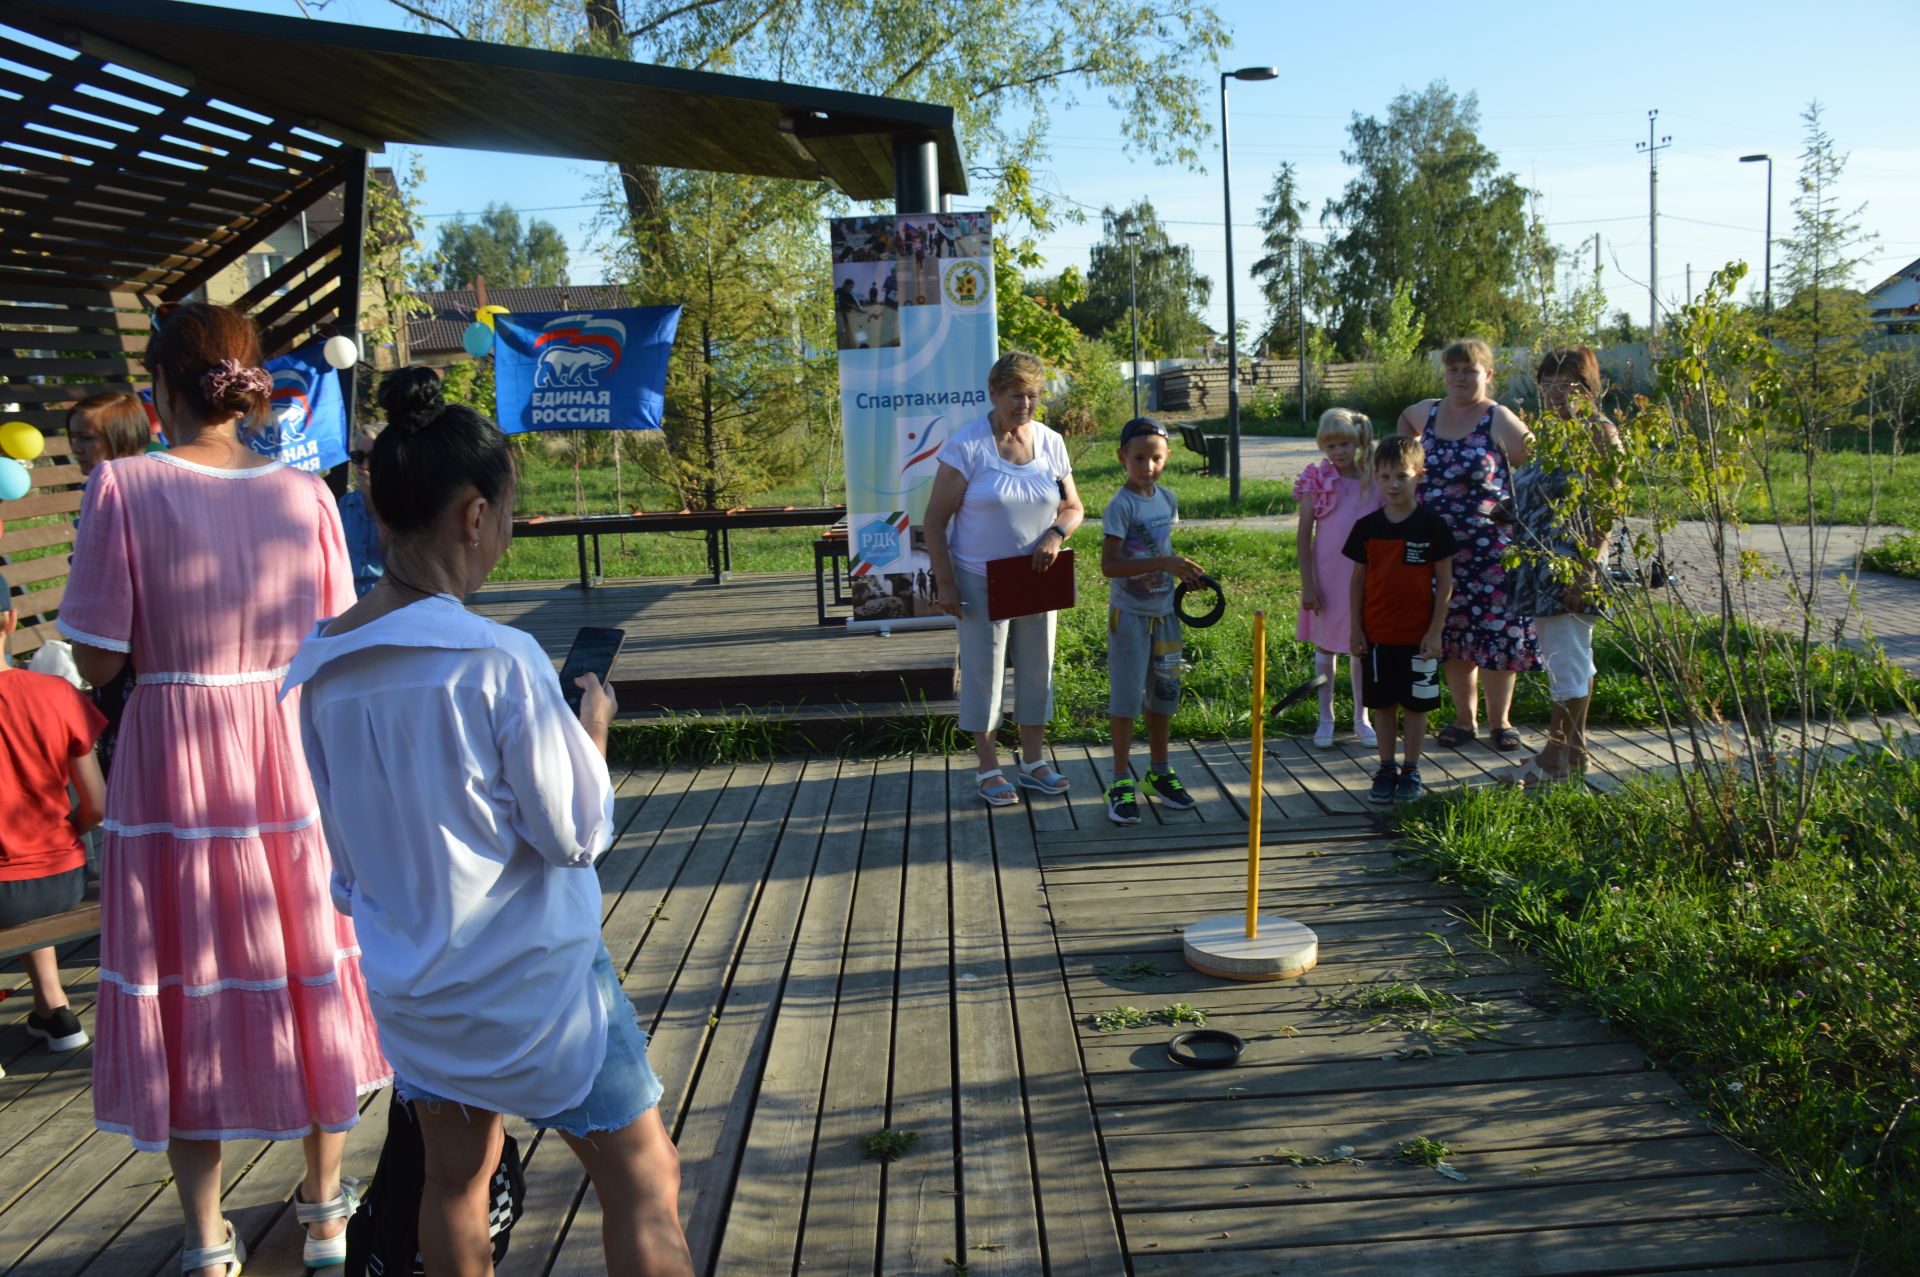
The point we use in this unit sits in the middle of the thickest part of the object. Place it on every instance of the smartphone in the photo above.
(592, 653)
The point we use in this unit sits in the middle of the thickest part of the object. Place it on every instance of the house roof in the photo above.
(371, 86)
(452, 310)
(1896, 299)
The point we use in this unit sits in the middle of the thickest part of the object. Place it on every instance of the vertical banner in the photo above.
(914, 321)
(306, 422)
(582, 370)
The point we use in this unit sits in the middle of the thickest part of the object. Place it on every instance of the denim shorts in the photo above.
(31, 899)
(623, 1089)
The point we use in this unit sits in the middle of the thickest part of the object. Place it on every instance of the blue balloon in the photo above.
(14, 480)
(477, 340)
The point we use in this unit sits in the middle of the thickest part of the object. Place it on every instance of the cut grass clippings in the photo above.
(1785, 996)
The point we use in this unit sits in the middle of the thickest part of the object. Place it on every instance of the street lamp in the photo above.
(1133, 313)
(1233, 337)
(1768, 285)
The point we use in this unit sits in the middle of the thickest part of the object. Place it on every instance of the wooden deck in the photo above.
(825, 947)
(753, 641)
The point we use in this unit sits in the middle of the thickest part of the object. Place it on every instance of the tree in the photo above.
(1429, 206)
(498, 249)
(750, 382)
(391, 256)
(1170, 291)
(1292, 275)
(1825, 326)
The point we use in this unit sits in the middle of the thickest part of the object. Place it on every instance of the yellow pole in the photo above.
(1255, 796)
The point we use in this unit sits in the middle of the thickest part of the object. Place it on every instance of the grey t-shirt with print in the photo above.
(1145, 528)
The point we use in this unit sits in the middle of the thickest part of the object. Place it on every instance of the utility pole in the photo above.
(1300, 313)
(1133, 314)
(1689, 283)
(1653, 149)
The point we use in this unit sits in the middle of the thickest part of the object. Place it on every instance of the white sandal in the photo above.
(1001, 795)
(325, 1252)
(229, 1255)
(1057, 785)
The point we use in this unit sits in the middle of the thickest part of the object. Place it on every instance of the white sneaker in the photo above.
(1323, 735)
(1363, 734)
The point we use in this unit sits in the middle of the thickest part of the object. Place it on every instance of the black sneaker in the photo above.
(59, 1028)
(1408, 787)
(1167, 788)
(1123, 803)
(1385, 781)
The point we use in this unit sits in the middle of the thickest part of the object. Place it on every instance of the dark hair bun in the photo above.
(410, 397)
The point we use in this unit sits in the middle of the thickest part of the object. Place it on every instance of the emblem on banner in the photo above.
(573, 350)
(965, 285)
(291, 397)
(878, 541)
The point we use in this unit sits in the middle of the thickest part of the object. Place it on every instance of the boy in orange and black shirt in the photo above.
(1402, 579)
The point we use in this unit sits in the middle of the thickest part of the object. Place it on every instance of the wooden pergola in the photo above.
(149, 146)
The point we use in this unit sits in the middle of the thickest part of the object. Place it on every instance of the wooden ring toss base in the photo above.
(1220, 947)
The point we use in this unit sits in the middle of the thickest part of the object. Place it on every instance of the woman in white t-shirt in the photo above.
(465, 806)
(1006, 488)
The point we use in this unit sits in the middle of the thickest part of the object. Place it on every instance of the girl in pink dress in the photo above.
(231, 1004)
(1333, 494)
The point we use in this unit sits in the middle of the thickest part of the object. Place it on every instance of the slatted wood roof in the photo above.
(146, 146)
(378, 86)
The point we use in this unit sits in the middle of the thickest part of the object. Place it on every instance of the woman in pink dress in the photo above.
(231, 1004)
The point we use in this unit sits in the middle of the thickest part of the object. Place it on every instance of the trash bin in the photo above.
(1217, 455)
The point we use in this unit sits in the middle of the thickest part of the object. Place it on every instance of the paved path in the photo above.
(1849, 602)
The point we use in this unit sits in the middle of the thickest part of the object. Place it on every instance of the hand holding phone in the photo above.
(593, 652)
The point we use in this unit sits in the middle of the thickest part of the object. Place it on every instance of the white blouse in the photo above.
(1006, 508)
(464, 807)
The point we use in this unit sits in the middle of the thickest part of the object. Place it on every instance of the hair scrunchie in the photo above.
(227, 375)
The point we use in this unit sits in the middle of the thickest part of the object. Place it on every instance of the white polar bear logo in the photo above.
(570, 366)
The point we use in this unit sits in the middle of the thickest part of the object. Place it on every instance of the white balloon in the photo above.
(341, 352)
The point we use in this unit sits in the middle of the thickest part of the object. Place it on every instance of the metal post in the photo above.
(1233, 337)
(1652, 150)
(1300, 308)
(1233, 341)
(916, 174)
(1133, 312)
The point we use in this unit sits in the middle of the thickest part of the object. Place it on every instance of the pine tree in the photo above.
(1824, 328)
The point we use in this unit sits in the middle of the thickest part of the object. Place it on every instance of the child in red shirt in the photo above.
(49, 729)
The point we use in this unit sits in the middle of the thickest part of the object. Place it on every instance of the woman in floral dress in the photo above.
(1473, 445)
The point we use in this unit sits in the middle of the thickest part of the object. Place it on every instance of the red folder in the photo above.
(1015, 589)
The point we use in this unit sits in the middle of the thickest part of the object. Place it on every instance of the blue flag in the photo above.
(583, 370)
(307, 423)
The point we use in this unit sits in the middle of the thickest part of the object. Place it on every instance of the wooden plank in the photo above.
(996, 1182)
(713, 1127)
(1714, 1245)
(841, 1229)
(1449, 1213)
(1077, 1214)
(922, 1190)
(1374, 1136)
(54, 929)
(40, 503)
(1343, 1039)
(763, 1224)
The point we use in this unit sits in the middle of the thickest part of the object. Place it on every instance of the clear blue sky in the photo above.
(1564, 95)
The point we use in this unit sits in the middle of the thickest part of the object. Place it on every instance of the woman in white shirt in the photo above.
(1006, 486)
(464, 807)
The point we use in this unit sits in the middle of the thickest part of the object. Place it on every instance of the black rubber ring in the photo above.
(1219, 1037)
(1211, 615)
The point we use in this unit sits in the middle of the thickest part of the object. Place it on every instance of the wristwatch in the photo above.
(1056, 530)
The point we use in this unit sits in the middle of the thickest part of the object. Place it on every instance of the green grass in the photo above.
(1898, 555)
(1847, 488)
(1784, 996)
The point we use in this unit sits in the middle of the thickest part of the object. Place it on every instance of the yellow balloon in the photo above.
(21, 441)
(486, 313)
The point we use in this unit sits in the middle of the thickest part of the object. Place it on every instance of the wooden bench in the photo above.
(716, 524)
(56, 929)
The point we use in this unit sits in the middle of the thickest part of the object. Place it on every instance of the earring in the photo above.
(475, 543)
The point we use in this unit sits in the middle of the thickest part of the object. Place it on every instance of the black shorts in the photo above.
(1387, 679)
(31, 899)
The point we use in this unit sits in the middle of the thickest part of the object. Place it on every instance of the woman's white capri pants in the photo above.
(986, 646)
(1566, 649)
